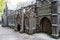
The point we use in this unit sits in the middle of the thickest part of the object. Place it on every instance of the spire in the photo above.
(5, 9)
(6, 6)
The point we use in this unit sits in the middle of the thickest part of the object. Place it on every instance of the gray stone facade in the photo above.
(42, 17)
(11, 20)
(4, 17)
(8, 17)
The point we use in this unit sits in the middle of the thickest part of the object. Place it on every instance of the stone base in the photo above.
(55, 36)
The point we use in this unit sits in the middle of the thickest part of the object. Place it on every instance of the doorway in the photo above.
(46, 26)
(18, 27)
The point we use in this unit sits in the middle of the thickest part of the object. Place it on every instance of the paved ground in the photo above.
(10, 34)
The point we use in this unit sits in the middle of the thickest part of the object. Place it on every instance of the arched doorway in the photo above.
(26, 23)
(18, 27)
(46, 26)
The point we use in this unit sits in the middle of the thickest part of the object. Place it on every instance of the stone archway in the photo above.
(26, 23)
(46, 26)
(18, 22)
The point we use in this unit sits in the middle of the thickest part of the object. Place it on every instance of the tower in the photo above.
(4, 16)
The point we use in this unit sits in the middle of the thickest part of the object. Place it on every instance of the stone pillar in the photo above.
(55, 26)
(54, 19)
(55, 31)
(4, 21)
(32, 24)
(22, 23)
(15, 28)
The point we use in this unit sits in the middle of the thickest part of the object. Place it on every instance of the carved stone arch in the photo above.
(26, 23)
(45, 25)
(18, 22)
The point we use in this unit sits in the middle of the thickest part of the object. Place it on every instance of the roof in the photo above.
(27, 3)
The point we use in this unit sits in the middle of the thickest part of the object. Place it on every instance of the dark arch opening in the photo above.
(18, 27)
(26, 23)
(46, 26)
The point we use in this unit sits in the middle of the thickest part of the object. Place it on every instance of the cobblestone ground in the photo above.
(9, 34)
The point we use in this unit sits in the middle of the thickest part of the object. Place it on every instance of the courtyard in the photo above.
(7, 33)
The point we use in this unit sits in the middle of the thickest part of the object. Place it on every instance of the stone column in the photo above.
(15, 28)
(22, 23)
(55, 32)
(32, 24)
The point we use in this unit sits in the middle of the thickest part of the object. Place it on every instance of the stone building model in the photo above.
(43, 17)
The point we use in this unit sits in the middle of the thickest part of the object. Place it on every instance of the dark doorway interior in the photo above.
(18, 27)
(46, 26)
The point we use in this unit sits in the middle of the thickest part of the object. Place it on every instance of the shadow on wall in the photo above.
(0, 20)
